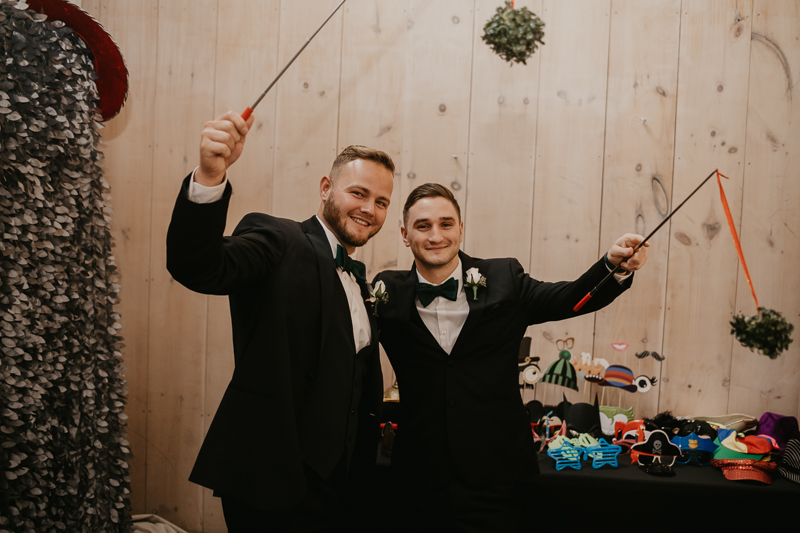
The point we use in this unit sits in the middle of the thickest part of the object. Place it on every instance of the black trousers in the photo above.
(456, 506)
(327, 506)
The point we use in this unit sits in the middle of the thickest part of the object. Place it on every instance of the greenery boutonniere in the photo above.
(474, 279)
(377, 294)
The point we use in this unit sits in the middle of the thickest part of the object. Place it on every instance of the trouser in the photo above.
(462, 507)
(326, 506)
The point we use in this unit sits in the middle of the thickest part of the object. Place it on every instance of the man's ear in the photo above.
(405, 236)
(325, 187)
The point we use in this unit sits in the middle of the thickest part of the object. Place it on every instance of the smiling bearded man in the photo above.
(295, 431)
(464, 450)
(337, 213)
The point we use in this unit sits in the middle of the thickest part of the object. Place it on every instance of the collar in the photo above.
(333, 241)
(456, 274)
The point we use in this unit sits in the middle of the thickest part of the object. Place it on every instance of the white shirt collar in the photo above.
(456, 274)
(334, 241)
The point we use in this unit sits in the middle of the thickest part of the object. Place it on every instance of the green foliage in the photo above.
(768, 332)
(63, 453)
(513, 33)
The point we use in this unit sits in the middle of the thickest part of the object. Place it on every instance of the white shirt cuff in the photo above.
(200, 194)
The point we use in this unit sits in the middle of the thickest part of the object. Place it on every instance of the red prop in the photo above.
(109, 65)
(735, 236)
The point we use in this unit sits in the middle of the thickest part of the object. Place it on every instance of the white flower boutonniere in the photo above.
(474, 279)
(377, 294)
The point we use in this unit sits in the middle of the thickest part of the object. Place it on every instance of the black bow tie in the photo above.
(427, 292)
(352, 266)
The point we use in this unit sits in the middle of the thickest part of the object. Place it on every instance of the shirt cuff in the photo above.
(200, 194)
(619, 277)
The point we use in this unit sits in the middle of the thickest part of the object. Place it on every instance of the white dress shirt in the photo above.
(200, 194)
(445, 318)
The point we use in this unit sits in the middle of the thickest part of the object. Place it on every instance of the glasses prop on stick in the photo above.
(249, 110)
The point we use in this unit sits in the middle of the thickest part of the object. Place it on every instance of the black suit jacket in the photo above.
(462, 415)
(293, 397)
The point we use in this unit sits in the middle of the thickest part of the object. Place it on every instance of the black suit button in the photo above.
(352, 411)
(451, 403)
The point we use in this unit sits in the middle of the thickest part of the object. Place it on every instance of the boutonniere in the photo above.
(474, 279)
(377, 294)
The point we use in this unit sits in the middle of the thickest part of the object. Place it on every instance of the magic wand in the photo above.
(618, 268)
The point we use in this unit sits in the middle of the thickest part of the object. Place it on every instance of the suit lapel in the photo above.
(476, 306)
(327, 275)
(373, 321)
(407, 310)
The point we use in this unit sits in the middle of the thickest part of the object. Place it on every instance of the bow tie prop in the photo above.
(343, 261)
(427, 292)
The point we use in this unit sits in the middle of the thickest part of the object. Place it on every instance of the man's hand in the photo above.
(621, 250)
(221, 144)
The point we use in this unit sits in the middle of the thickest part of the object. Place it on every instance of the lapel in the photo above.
(476, 306)
(327, 275)
(328, 278)
(373, 321)
(407, 311)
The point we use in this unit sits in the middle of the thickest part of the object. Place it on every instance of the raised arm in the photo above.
(221, 144)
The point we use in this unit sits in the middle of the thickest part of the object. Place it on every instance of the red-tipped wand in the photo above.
(249, 110)
(618, 268)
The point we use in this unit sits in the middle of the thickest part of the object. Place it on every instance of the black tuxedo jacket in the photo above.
(295, 391)
(462, 415)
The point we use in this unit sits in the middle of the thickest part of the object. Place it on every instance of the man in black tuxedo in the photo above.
(298, 421)
(452, 327)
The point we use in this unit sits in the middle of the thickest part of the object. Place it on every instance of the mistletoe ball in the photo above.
(768, 332)
(513, 33)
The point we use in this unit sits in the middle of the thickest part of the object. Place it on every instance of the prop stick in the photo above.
(249, 110)
(618, 268)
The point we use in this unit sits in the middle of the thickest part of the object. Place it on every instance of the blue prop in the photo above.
(602, 454)
(565, 456)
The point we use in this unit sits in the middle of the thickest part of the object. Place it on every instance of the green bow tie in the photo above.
(427, 292)
(352, 266)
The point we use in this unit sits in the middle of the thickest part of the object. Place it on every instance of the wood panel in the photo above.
(184, 101)
(436, 99)
(770, 229)
(128, 146)
(247, 59)
(386, 67)
(374, 40)
(307, 107)
(637, 178)
(502, 141)
(569, 162)
(701, 281)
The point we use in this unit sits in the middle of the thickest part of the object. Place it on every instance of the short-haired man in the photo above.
(299, 415)
(464, 449)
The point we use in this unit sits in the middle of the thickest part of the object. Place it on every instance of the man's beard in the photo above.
(337, 220)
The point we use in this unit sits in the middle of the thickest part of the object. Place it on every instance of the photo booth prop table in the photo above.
(628, 489)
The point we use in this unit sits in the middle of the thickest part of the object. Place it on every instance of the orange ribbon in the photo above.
(735, 236)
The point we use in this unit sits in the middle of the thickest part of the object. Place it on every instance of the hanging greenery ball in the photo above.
(513, 33)
(768, 332)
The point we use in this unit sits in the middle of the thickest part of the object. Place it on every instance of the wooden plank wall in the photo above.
(621, 113)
